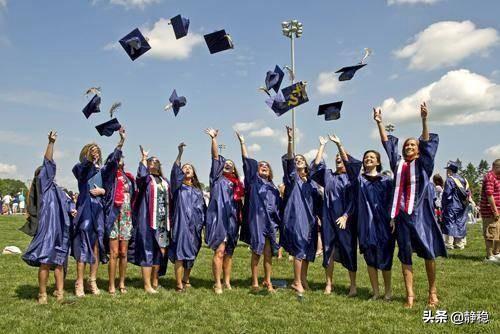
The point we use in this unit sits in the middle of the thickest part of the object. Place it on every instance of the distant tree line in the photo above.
(474, 176)
(11, 186)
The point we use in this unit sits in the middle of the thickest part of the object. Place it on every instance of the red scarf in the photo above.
(238, 188)
(120, 179)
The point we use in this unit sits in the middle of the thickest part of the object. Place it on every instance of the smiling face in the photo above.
(154, 166)
(410, 149)
(371, 161)
(229, 167)
(264, 170)
(188, 171)
(496, 167)
(95, 153)
(339, 164)
(300, 161)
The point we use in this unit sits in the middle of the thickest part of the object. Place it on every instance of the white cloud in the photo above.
(6, 169)
(163, 43)
(311, 155)
(493, 152)
(165, 46)
(328, 83)
(3, 4)
(133, 3)
(459, 97)
(254, 148)
(264, 132)
(411, 2)
(246, 126)
(446, 44)
(284, 140)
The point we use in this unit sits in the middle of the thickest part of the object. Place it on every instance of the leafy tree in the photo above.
(10, 186)
(482, 169)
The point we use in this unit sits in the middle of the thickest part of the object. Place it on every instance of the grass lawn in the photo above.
(465, 283)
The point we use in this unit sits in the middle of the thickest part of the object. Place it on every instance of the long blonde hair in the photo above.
(85, 152)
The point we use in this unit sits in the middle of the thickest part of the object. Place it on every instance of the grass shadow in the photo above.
(459, 256)
(27, 292)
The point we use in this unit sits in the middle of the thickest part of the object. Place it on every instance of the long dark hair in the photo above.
(196, 183)
(303, 157)
(377, 154)
(438, 180)
(160, 173)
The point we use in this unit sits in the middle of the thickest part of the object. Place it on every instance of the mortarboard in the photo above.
(218, 41)
(274, 78)
(349, 71)
(135, 44)
(108, 128)
(180, 25)
(277, 103)
(93, 106)
(176, 102)
(288, 98)
(330, 110)
(453, 166)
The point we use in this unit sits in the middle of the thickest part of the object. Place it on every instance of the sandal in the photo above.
(410, 300)
(186, 284)
(227, 286)
(42, 299)
(217, 290)
(59, 296)
(92, 286)
(123, 290)
(294, 287)
(79, 292)
(180, 289)
(269, 287)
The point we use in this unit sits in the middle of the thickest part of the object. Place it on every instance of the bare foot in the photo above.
(150, 291)
(328, 290)
(409, 302)
(227, 286)
(388, 296)
(218, 289)
(353, 292)
(433, 300)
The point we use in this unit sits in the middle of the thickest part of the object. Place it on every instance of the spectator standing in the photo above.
(490, 212)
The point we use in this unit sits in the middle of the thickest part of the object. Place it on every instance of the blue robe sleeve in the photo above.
(47, 175)
(349, 206)
(427, 153)
(216, 169)
(448, 190)
(250, 169)
(288, 170)
(176, 178)
(82, 169)
(111, 166)
(353, 168)
(317, 172)
(142, 175)
(391, 148)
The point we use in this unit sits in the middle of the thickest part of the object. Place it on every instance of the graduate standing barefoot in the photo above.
(151, 221)
(338, 221)
(412, 207)
(373, 200)
(189, 211)
(51, 220)
(300, 227)
(224, 213)
(262, 216)
(120, 191)
(88, 239)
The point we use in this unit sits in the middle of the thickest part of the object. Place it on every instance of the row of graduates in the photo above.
(358, 204)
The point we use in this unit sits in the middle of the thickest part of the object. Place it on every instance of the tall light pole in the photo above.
(292, 29)
(221, 147)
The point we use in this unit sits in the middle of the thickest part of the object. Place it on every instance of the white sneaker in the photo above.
(492, 259)
(497, 256)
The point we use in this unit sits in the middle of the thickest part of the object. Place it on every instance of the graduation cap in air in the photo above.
(218, 41)
(347, 73)
(176, 102)
(135, 44)
(108, 128)
(288, 98)
(274, 79)
(93, 106)
(453, 166)
(180, 25)
(330, 110)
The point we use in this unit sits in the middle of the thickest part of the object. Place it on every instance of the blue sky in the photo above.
(444, 51)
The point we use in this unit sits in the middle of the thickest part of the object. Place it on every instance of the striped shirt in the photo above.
(491, 187)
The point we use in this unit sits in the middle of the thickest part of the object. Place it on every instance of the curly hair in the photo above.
(85, 153)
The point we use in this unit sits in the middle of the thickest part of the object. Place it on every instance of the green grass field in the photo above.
(465, 283)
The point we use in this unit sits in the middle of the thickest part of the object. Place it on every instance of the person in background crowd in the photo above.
(438, 183)
(490, 212)
(15, 204)
(455, 201)
(7, 199)
(22, 203)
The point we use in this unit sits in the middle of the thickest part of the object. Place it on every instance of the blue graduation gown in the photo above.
(299, 233)
(50, 245)
(338, 201)
(261, 212)
(222, 212)
(89, 222)
(144, 248)
(373, 200)
(454, 209)
(189, 211)
(418, 232)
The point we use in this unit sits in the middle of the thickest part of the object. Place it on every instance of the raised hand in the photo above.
(424, 111)
(144, 153)
(212, 133)
(52, 136)
(240, 137)
(322, 140)
(377, 115)
(181, 147)
(335, 139)
(289, 132)
(94, 153)
(122, 133)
